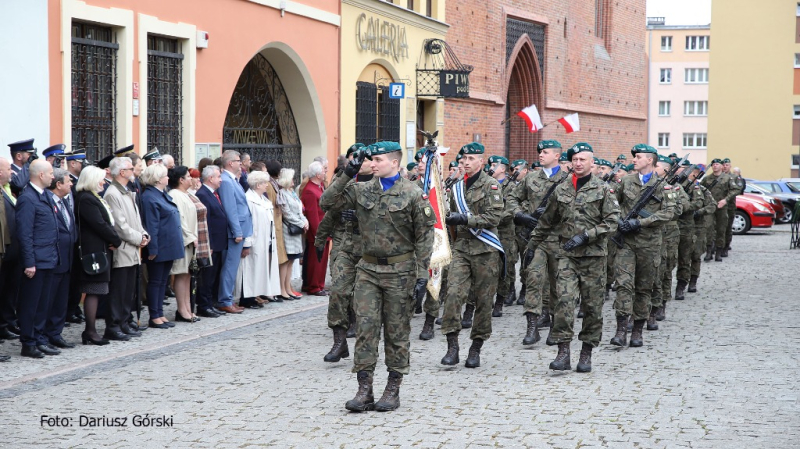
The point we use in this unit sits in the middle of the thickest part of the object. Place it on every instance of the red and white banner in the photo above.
(531, 116)
(571, 123)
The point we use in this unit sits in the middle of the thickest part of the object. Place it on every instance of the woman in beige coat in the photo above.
(180, 181)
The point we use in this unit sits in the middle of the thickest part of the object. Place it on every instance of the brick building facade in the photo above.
(584, 56)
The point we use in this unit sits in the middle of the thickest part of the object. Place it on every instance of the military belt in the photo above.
(391, 260)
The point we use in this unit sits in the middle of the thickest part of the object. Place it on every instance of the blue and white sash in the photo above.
(485, 236)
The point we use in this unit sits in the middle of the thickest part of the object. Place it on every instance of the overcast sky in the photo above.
(681, 12)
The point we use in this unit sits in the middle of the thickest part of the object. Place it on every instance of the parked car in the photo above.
(752, 212)
(792, 183)
(774, 202)
(780, 190)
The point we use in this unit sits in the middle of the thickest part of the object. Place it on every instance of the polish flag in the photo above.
(531, 116)
(570, 123)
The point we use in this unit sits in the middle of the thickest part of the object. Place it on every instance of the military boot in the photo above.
(469, 312)
(511, 298)
(561, 362)
(391, 395)
(521, 298)
(661, 313)
(497, 310)
(339, 349)
(544, 318)
(549, 341)
(532, 333)
(717, 255)
(652, 324)
(621, 337)
(351, 331)
(709, 253)
(693, 284)
(629, 326)
(725, 252)
(427, 328)
(474, 356)
(451, 357)
(364, 399)
(679, 290)
(585, 361)
(636, 335)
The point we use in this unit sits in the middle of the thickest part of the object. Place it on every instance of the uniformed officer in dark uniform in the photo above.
(22, 154)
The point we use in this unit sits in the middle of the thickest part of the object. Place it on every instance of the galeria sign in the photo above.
(381, 36)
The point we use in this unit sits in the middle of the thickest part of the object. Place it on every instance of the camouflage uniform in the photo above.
(662, 287)
(581, 272)
(701, 226)
(476, 266)
(721, 187)
(613, 185)
(636, 264)
(688, 236)
(396, 228)
(506, 233)
(740, 184)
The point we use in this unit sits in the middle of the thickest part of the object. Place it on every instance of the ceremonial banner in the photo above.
(434, 193)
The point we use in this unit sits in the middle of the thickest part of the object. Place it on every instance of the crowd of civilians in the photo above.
(130, 230)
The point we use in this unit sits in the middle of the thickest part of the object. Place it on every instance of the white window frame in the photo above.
(664, 108)
(797, 60)
(796, 113)
(700, 43)
(666, 43)
(695, 76)
(695, 140)
(663, 140)
(662, 77)
(695, 108)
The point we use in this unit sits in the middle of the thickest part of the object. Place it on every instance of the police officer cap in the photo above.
(472, 148)
(411, 166)
(353, 148)
(519, 162)
(123, 151)
(716, 161)
(103, 163)
(54, 150)
(22, 145)
(153, 155)
(643, 148)
(453, 164)
(726, 161)
(622, 157)
(77, 155)
(579, 147)
(499, 159)
(548, 144)
(382, 147)
(563, 158)
(419, 154)
(665, 159)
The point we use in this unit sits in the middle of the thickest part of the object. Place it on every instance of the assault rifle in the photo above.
(539, 211)
(638, 209)
(614, 171)
(452, 179)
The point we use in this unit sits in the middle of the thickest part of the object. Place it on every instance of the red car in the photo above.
(752, 212)
(775, 204)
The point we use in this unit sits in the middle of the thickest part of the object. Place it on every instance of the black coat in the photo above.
(95, 231)
(12, 250)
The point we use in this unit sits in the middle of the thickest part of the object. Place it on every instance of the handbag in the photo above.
(293, 228)
(94, 263)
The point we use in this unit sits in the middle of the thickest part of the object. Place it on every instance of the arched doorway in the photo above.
(260, 120)
(524, 89)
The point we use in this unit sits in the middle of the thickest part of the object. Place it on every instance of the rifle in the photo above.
(452, 179)
(613, 172)
(638, 209)
(542, 206)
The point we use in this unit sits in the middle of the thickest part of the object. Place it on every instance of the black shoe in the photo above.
(497, 310)
(281, 298)
(6, 334)
(339, 350)
(32, 352)
(585, 361)
(169, 293)
(59, 342)
(114, 335)
(692, 285)
(48, 350)
(451, 357)
(221, 312)
(532, 332)
(152, 323)
(438, 321)
(5, 358)
(86, 339)
(621, 337)
(75, 318)
(561, 362)
(129, 332)
(251, 305)
(637, 340)
(509, 301)
(295, 297)
(136, 327)
(179, 317)
(474, 356)
(521, 297)
(427, 328)
(208, 313)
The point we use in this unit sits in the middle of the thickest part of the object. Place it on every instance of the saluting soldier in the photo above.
(637, 261)
(476, 209)
(506, 231)
(581, 213)
(396, 226)
(724, 190)
(540, 262)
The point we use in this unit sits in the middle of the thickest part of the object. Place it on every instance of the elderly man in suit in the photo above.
(240, 226)
(218, 236)
(37, 232)
(67, 236)
(11, 272)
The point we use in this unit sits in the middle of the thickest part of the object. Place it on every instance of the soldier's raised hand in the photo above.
(354, 166)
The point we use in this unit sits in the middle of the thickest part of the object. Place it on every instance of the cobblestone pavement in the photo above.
(720, 373)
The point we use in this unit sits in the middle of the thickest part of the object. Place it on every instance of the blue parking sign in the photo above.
(397, 90)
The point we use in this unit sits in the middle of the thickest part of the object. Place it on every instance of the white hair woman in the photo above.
(293, 243)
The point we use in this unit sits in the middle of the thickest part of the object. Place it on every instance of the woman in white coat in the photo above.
(258, 273)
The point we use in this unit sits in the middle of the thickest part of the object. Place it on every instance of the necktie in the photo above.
(217, 195)
(63, 209)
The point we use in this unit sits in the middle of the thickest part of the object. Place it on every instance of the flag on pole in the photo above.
(531, 116)
(571, 123)
(433, 192)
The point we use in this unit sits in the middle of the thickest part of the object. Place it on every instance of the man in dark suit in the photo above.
(37, 232)
(75, 163)
(218, 236)
(21, 153)
(11, 273)
(67, 236)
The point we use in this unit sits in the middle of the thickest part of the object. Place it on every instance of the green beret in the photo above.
(664, 159)
(499, 159)
(547, 144)
(418, 156)
(459, 156)
(519, 162)
(606, 163)
(621, 157)
(453, 164)
(716, 161)
(629, 167)
(673, 155)
(643, 148)
(353, 148)
(563, 158)
(686, 163)
(472, 148)
(411, 166)
(579, 147)
(726, 161)
(487, 167)
(596, 160)
(382, 147)
(536, 164)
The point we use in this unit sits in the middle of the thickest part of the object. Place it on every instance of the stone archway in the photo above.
(524, 89)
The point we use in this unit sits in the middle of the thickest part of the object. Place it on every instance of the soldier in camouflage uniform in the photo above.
(506, 231)
(476, 206)
(637, 261)
(613, 184)
(702, 217)
(582, 212)
(691, 238)
(540, 262)
(396, 226)
(521, 237)
(345, 255)
(736, 176)
(724, 190)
